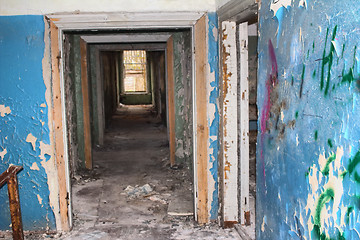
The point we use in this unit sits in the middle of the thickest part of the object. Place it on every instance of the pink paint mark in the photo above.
(271, 82)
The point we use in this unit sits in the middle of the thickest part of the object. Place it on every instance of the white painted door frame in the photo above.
(102, 21)
(235, 184)
(244, 125)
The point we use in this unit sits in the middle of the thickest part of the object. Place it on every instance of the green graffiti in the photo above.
(332, 158)
(349, 76)
(352, 166)
(349, 210)
(327, 59)
(302, 80)
(324, 198)
(307, 172)
(292, 80)
(354, 162)
(296, 114)
(342, 51)
(341, 236)
(314, 74)
(316, 135)
(330, 143)
(313, 46)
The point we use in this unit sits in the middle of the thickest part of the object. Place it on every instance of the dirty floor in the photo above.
(132, 189)
(132, 193)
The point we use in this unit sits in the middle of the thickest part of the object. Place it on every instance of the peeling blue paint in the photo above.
(23, 90)
(297, 187)
(213, 59)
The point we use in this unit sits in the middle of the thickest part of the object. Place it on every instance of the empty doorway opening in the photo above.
(136, 134)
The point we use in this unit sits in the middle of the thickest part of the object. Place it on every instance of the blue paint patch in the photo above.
(23, 90)
(213, 59)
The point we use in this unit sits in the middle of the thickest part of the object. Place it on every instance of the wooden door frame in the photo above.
(58, 24)
(234, 39)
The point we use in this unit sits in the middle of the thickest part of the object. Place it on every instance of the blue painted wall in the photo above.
(308, 159)
(213, 58)
(22, 89)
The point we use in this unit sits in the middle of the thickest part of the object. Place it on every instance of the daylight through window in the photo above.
(135, 71)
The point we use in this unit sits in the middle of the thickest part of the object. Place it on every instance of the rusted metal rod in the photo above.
(9, 177)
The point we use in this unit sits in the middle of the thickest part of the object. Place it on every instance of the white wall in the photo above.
(41, 7)
(220, 3)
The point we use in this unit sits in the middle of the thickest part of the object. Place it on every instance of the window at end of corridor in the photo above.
(135, 71)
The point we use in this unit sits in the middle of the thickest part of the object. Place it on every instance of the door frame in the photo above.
(58, 23)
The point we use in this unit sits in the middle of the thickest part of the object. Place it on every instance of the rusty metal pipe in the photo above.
(9, 177)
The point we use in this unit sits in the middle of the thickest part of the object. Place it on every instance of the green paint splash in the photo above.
(324, 198)
(314, 74)
(349, 76)
(327, 60)
(316, 135)
(354, 162)
(349, 210)
(329, 142)
(326, 169)
(352, 166)
(296, 114)
(313, 46)
(302, 80)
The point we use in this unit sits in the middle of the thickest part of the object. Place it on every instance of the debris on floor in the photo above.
(136, 192)
(133, 193)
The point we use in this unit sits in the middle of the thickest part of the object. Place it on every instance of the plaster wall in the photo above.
(42, 7)
(25, 128)
(308, 158)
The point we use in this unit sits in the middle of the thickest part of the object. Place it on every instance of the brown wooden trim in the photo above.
(58, 127)
(9, 177)
(86, 106)
(171, 96)
(201, 120)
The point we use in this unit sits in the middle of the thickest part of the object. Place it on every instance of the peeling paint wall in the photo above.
(183, 98)
(213, 114)
(25, 137)
(308, 157)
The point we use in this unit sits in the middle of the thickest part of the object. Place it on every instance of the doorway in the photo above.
(137, 125)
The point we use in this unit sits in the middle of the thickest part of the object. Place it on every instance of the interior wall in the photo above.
(183, 97)
(157, 73)
(220, 3)
(40, 7)
(308, 142)
(110, 80)
(25, 120)
(71, 103)
(93, 93)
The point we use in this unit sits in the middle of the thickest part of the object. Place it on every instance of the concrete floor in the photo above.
(135, 153)
(108, 202)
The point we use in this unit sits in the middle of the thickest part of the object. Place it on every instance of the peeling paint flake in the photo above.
(276, 5)
(31, 139)
(4, 110)
(35, 167)
(39, 199)
(3, 153)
